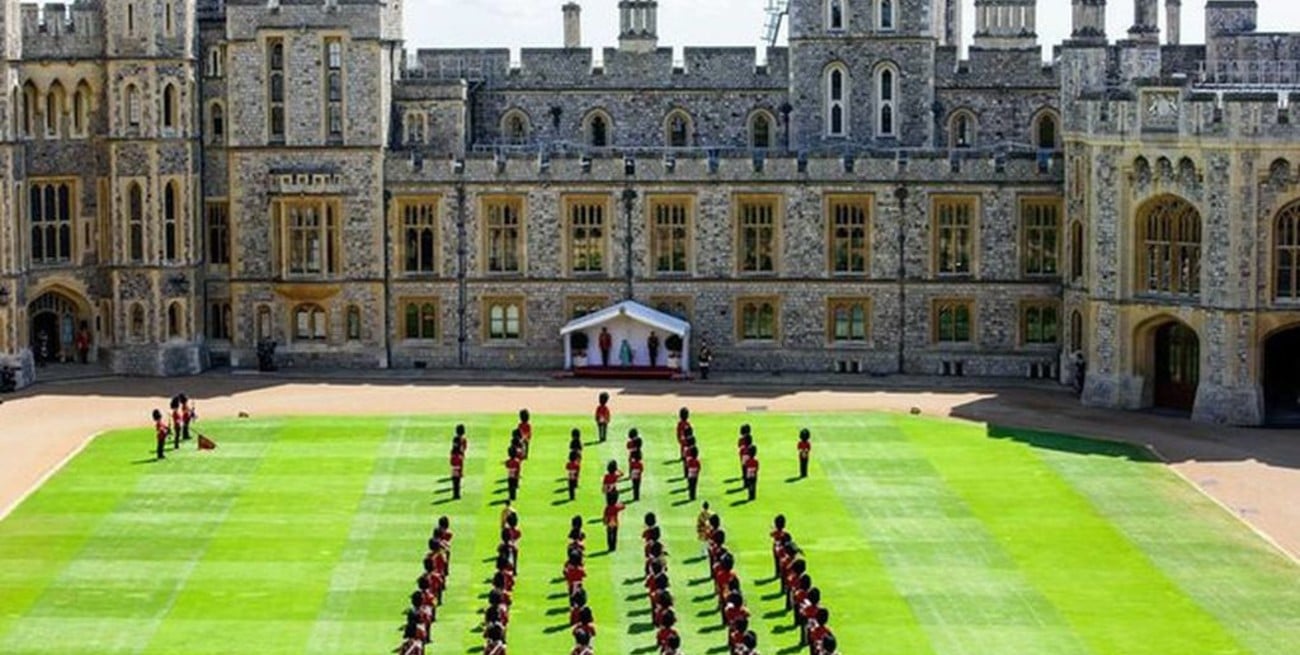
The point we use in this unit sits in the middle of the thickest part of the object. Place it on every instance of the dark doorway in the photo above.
(45, 337)
(1178, 366)
(1282, 377)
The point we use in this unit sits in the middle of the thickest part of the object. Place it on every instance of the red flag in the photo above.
(206, 443)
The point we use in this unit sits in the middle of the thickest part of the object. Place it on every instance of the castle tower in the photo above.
(638, 25)
(1146, 22)
(10, 155)
(1089, 22)
(952, 23)
(572, 25)
(1005, 24)
(1174, 21)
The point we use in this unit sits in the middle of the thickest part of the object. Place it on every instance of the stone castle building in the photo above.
(186, 180)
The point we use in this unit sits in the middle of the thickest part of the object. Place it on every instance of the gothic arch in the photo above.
(216, 122)
(762, 129)
(516, 126)
(963, 128)
(1045, 129)
(55, 106)
(82, 105)
(1167, 354)
(1169, 234)
(679, 129)
(837, 87)
(1286, 253)
(886, 80)
(598, 128)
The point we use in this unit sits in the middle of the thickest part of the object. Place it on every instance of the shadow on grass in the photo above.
(644, 650)
(444, 501)
(635, 613)
(632, 580)
(640, 628)
(779, 594)
(716, 649)
(562, 501)
(738, 503)
(701, 599)
(559, 627)
(782, 629)
(793, 480)
(684, 501)
(774, 614)
(557, 595)
(694, 560)
(697, 582)
(554, 611)
(151, 460)
(790, 650)
(1075, 445)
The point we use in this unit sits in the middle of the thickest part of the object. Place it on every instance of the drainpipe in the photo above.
(629, 197)
(462, 278)
(900, 194)
(388, 278)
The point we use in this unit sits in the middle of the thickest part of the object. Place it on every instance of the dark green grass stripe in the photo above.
(1104, 586)
(958, 583)
(1252, 589)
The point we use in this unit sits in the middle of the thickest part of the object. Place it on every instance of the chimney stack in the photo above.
(572, 25)
(1174, 21)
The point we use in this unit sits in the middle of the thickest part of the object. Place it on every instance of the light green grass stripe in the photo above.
(958, 584)
(1232, 573)
(1105, 587)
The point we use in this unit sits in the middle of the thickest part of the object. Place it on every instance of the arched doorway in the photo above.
(1282, 377)
(1177, 352)
(55, 321)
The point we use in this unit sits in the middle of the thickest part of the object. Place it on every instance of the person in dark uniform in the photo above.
(805, 451)
(177, 419)
(612, 509)
(160, 432)
(606, 343)
(457, 468)
(751, 471)
(602, 415)
(706, 359)
(513, 465)
(652, 346)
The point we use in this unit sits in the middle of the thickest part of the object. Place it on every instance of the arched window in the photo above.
(309, 323)
(1076, 250)
(961, 129)
(835, 14)
(133, 106)
(598, 129)
(677, 129)
(837, 83)
(414, 122)
(137, 322)
(760, 130)
(50, 215)
(81, 109)
(1286, 236)
(175, 321)
(886, 96)
(885, 12)
(135, 221)
(1076, 332)
(31, 106)
(1046, 135)
(171, 107)
(1171, 247)
(217, 123)
(54, 101)
(171, 212)
(515, 127)
(354, 323)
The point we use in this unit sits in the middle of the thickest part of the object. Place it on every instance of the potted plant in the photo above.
(674, 345)
(578, 340)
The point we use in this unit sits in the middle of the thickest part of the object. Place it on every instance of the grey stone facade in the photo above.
(366, 129)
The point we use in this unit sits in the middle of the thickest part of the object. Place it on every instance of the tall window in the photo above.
(50, 214)
(310, 323)
(1040, 226)
(952, 321)
(310, 234)
(54, 100)
(31, 100)
(961, 130)
(836, 107)
(171, 214)
(504, 227)
(215, 64)
(134, 106)
(219, 320)
(175, 321)
(216, 124)
(218, 214)
(514, 127)
(170, 107)
(954, 235)
(847, 217)
(1045, 134)
(414, 122)
(334, 87)
(1040, 322)
(848, 319)
(81, 109)
(758, 317)
(135, 221)
(677, 130)
(886, 13)
(168, 23)
(887, 92)
(420, 319)
(1076, 332)
(587, 233)
(1076, 250)
(275, 88)
(1287, 265)
(419, 227)
(835, 14)
(1171, 247)
(756, 240)
(760, 130)
(137, 322)
(504, 319)
(598, 130)
(670, 234)
(354, 323)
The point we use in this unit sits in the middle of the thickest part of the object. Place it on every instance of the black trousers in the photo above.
(573, 488)
(803, 467)
(636, 488)
(162, 443)
(512, 485)
(654, 355)
(176, 438)
(185, 431)
(455, 486)
(691, 484)
(751, 485)
(601, 429)
(611, 538)
(604, 356)
(704, 371)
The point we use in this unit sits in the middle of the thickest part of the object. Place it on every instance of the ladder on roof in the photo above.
(777, 10)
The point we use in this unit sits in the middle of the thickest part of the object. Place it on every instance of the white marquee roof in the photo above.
(633, 310)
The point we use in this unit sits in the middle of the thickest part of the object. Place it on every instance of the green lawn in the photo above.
(925, 536)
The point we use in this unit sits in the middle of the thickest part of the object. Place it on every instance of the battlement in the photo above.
(707, 67)
(364, 19)
(61, 31)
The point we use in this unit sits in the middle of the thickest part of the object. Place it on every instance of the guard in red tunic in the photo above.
(177, 420)
(457, 468)
(805, 451)
(610, 519)
(636, 469)
(609, 483)
(683, 427)
(188, 415)
(513, 465)
(573, 470)
(160, 432)
(692, 471)
(602, 415)
(751, 471)
(525, 432)
(606, 342)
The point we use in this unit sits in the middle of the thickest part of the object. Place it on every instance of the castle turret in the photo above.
(638, 25)
(1174, 21)
(572, 25)
(1146, 22)
(1089, 23)
(1230, 17)
(1005, 24)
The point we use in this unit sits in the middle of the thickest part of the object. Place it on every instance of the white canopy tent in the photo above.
(632, 322)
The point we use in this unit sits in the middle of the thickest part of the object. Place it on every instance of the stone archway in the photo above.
(56, 318)
(1282, 376)
(1176, 365)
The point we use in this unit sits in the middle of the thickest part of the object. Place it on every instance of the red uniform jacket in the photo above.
(751, 468)
(574, 468)
(637, 468)
(804, 448)
(457, 465)
(602, 415)
(512, 468)
(611, 514)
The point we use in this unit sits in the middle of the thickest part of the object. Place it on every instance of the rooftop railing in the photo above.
(1253, 74)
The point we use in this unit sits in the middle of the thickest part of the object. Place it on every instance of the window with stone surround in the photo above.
(333, 87)
(953, 220)
(51, 206)
(310, 323)
(171, 219)
(585, 229)
(886, 99)
(837, 91)
(1076, 332)
(175, 320)
(503, 234)
(275, 88)
(137, 322)
(848, 320)
(216, 123)
(679, 306)
(81, 109)
(579, 306)
(134, 105)
(757, 218)
(848, 217)
(54, 101)
(415, 123)
(1040, 242)
(678, 127)
(598, 129)
(1170, 253)
(218, 215)
(170, 107)
(309, 236)
(215, 62)
(761, 132)
(419, 221)
(835, 14)
(962, 129)
(135, 222)
(1045, 132)
(952, 321)
(31, 101)
(757, 319)
(420, 319)
(219, 321)
(354, 323)
(885, 15)
(670, 234)
(1077, 249)
(505, 318)
(1286, 265)
(1040, 322)
(265, 326)
(515, 127)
